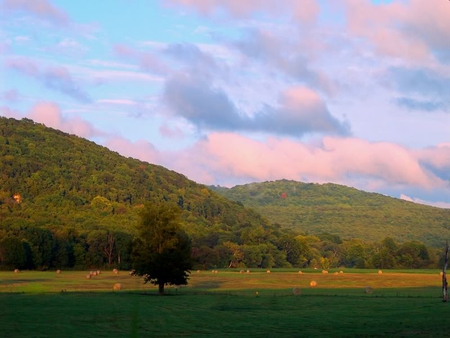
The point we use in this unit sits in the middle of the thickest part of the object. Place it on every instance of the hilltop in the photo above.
(344, 211)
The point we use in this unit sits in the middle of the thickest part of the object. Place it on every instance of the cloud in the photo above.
(39, 8)
(291, 56)
(306, 11)
(11, 95)
(191, 56)
(56, 78)
(146, 60)
(413, 30)
(141, 149)
(229, 158)
(50, 115)
(420, 105)
(300, 110)
(421, 201)
(427, 89)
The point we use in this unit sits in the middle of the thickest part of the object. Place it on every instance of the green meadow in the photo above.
(229, 303)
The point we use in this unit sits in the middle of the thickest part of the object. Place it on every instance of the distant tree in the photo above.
(162, 252)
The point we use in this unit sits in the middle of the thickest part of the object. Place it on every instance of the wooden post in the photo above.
(444, 276)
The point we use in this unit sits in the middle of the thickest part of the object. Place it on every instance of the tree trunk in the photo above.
(161, 288)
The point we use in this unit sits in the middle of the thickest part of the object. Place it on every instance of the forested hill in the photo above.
(347, 212)
(50, 178)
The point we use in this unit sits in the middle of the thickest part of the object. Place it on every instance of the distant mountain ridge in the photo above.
(344, 211)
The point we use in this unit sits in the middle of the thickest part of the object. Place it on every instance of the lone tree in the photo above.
(162, 252)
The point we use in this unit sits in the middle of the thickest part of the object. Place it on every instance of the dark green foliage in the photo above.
(348, 212)
(74, 204)
(162, 250)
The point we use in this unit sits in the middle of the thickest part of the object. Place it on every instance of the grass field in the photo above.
(225, 304)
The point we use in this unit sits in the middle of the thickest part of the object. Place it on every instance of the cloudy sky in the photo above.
(227, 92)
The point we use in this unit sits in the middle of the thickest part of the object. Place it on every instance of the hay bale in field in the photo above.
(198, 271)
(268, 271)
(117, 287)
(248, 271)
(98, 272)
(16, 270)
(313, 283)
(58, 271)
(116, 271)
(88, 276)
(368, 290)
(380, 272)
(336, 273)
(300, 272)
(296, 291)
(341, 271)
(324, 271)
(216, 271)
(94, 273)
(441, 273)
(242, 271)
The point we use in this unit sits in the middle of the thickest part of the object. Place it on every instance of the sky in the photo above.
(228, 92)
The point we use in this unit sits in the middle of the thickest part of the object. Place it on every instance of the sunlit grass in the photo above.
(223, 304)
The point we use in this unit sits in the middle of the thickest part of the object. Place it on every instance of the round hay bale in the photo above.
(313, 284)
(300, 272)
(98, 272)
(94, 273)
(58, 271)
(296, 291)
(268, 271)
(88, 276)
(248, 271)
(336, 273)
(16, 270)
(116, 271)
(198, 271)
(216, 271)
(441, 273)
(341, 271)
(380, 272)
(117, 287)
(242, 271)
(368, 290)
(324, 271)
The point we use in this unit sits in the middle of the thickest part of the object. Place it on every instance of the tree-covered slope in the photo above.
(347, 212)
(50, 178)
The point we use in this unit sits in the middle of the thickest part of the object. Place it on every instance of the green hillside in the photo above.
(61, 179)
(60, 187)
(347, 212)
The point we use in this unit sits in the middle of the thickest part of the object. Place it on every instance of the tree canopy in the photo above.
(162, 250)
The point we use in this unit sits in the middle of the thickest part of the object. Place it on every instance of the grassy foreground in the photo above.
(224, 304)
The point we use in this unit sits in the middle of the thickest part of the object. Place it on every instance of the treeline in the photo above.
(249, 247)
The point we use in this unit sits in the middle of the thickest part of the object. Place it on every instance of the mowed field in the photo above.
(228, 303)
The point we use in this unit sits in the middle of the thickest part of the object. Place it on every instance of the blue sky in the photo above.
(229, 92)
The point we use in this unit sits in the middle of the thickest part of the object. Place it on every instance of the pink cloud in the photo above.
(141, 149)
(50, 115)
(231, 157)
(304, 11)
(39, 8)
(168, 132)
(410, 30)
(438, 156)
